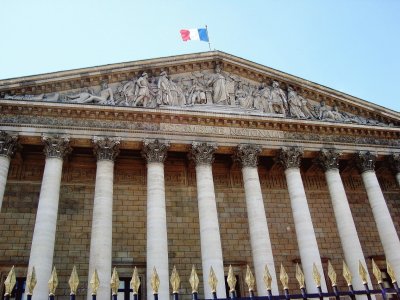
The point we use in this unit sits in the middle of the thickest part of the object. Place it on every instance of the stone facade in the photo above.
(225, 129)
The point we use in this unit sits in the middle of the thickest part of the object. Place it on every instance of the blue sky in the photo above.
(349, 45)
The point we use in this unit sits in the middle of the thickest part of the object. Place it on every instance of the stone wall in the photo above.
(129, 216)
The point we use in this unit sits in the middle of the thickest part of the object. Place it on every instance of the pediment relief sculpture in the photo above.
(210, 90)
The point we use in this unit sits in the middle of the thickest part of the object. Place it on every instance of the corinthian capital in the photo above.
(56, 146)
(328, 159)
(106, 148)
(155, 151)
(394, 161)
(247, 155)
(203, 153)
(8, 144)
(365, 161)
(290, 157)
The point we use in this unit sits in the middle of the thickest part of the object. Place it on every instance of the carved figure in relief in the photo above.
(244, 96)
(294, 103)
(44, 97)
(323, 112)
(219, 91)
(278, 101)
(128, 90)
(196, 93)
(305, 108)
(262, 95)
(169, 93)
(87, 96)
(142, 91)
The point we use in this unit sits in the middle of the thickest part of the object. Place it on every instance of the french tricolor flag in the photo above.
(197, 34)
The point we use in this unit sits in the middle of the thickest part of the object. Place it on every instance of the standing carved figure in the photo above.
(142, 91)
(169, 93)
(278, 101)
(294, 104)
(219, 91)
(128, 91)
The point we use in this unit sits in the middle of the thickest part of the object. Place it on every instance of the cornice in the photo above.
(139, 115)
(79, 78)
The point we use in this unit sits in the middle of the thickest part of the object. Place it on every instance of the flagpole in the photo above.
(209, 44)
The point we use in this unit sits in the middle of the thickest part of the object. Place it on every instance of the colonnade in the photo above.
(155, 152)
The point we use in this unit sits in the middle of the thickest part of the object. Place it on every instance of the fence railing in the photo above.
(384, 292)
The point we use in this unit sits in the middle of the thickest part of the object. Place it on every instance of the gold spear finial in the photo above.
(212, 280)
(391, 272)
(10, 281)
(73, 281)
(53, 282)
(347, 274)
(95, 282)
(31, 281)
(194, 280)
(377, 272)
(135, 282)
(231, 279)
(362, 272)
(250, 281)
(155, 281)
(300, 276)
(316, 275)
(283, 276)
(175, 281)
(332, 274)
(267, 278)
(114, 283)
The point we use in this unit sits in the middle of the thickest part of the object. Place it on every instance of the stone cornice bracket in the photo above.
(202, 153)
(8, 144)
(155, 150)
(56, 146)
(106, 148)
(247, 155)
(328, 159)
(290, 157)
(365, 161)
(394, 162)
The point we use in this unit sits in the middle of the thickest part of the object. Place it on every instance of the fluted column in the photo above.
(155, 153)
(290, 158)
(100, 258)
(8, 144)
(394, 160)
(42, 248)
(211, 250)
(261, 247)
(329, 161)
(387, 232)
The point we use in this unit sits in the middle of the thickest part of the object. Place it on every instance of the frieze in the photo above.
(217, 89)
(29, 120)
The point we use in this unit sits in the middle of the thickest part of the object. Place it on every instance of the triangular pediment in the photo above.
(203, 82)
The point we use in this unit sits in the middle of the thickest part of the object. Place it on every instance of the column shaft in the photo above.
(4, 166)
(211, 250)
(398, 178)
(157, 241)
(42, 249)
(347, 230)
(259, 233)
(387, 232)
(101, 234)
(306, 239)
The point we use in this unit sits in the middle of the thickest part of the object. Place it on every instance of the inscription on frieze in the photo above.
(226, 131)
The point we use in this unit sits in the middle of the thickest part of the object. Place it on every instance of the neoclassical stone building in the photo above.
(204, 159)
